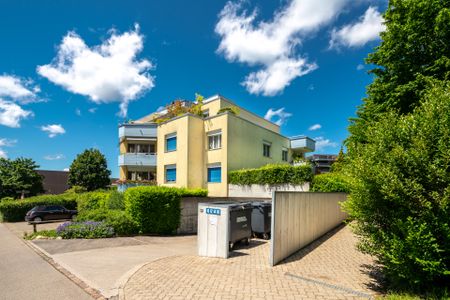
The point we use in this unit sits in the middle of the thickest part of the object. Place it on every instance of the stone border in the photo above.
(94, 293)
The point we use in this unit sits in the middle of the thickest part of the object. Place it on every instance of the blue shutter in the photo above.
(171, 144)
(171, 175)
(215, 174)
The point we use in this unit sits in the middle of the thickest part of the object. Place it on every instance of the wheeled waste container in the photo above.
(261, 219)
(221, 225)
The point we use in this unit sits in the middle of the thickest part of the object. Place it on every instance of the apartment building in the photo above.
(198, 151)
(322, 162)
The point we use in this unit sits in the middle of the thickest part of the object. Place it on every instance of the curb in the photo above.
(47, 257)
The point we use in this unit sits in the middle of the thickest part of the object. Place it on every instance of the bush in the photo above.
(400, 194)
(115, 200)
(330, 182)
(155, 209)
(119, 220)
(272, 174)
(92, 200)
(15, 210)
(45, 233)
(84, 230)
(184, 192)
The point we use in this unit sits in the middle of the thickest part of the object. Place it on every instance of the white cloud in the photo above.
(279, 113)
(54, 157)
(315, 127)
(367, 29)
(272, 45)
(66, 169)
(360, 67)
(11, 114)
(109, 72)
(92, 110)
(78, 112)
(53, 130)
(322, 143)
(5, 143)
(17, 89)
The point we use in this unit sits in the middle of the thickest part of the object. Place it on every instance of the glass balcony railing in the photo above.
(303, 144)
(137, 131)
(137, 159)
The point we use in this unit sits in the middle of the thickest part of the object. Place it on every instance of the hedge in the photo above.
(155, 209)
(15, 210)
(184, 192)
(330, 182)
(272, 174)
(100, 199)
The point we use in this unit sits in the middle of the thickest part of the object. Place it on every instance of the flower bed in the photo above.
(84, 230)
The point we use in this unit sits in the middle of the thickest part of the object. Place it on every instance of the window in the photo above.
(141, 148)
(131, 148)
(171, 173)
(215, 140)
(142, 175)
(214, 174)
(266, 149)
(171, 142)
(205, 113)
(284, 155)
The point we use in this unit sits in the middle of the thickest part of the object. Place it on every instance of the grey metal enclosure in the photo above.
(261, 219)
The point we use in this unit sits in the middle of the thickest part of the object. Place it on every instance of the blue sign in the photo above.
(213, 211)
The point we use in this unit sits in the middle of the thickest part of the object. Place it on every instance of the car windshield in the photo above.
(36, 208)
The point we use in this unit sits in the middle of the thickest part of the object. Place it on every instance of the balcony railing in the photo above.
(137, 131)
(302, 144)
(137, 159)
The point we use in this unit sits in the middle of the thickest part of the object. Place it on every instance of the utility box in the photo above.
(222, 223)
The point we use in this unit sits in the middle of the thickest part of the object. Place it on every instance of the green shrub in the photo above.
(272, 174)
(155, 209)
(7, 199)
(330, 182)
(115, 200)
(84, 230)
(184, 192)
(400, 194)
(15, 210)
(76, 189)
(119, 220)
(92, 200)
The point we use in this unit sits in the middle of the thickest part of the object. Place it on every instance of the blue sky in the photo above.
(71, 71)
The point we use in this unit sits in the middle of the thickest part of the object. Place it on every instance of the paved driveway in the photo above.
(25, 275)
(330, 268)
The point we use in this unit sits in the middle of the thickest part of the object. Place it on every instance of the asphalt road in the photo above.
(25, 275)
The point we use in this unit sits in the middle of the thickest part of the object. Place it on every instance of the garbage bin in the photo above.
(221, 225)
(261, 219)
(240, 223)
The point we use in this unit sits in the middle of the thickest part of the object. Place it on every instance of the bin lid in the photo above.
(261, 203)
(230, 204)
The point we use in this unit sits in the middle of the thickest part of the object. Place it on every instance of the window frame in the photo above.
(172, 136)
(269, 146)
(214, 167)
(283, 152)
(213, 135)
(170, 167)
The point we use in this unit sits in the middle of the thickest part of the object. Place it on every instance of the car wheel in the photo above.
(266, 236)
(37, 219)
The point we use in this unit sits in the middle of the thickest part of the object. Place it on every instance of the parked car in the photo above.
(49, 212)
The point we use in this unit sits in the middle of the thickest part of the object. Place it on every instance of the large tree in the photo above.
(398, 149)
(19, 177)
(414, 48)
(89, 170)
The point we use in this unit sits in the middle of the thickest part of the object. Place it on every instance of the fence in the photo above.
(299, 218)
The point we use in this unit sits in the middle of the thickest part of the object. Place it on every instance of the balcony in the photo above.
(137, 159)
(302, 144)
(137, 131)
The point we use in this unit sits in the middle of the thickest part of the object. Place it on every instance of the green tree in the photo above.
(19, 175)
(340, 159)
(414, 48)
(400, 194)
(89, 170)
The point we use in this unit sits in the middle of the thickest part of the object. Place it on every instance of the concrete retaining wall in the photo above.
(189, 211)
(263, 191)
(300, 218)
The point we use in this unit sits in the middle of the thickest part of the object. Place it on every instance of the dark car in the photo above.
(49, 212)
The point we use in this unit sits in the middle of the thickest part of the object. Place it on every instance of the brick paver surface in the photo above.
(330, 268)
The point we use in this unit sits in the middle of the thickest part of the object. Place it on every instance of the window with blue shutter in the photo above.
(171, 143)
(214, 174)
(171, 174)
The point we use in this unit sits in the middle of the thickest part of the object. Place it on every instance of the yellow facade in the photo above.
(241, 147)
